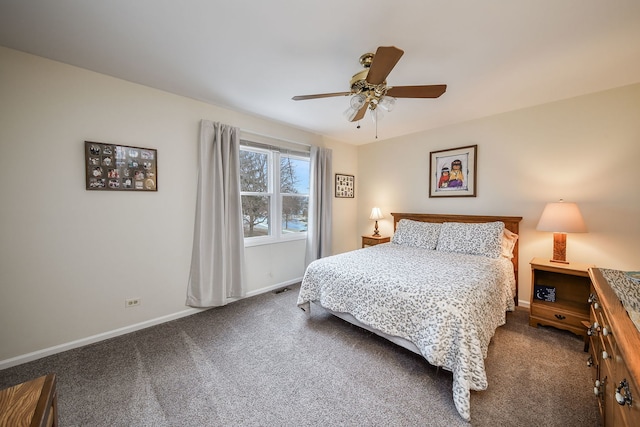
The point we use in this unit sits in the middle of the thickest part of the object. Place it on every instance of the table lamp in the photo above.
(561, 218)
(376, 214)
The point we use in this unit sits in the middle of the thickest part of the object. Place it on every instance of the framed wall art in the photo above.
(112, 167)
(345, 185)
(452, 173)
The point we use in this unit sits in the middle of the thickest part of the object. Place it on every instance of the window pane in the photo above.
(295, 211)
(294, 175)
(254, 171)
(255, 214)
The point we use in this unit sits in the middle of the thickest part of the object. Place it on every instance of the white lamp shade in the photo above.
(376, 214)
(387, 102)
(357, 101)
(561, 217)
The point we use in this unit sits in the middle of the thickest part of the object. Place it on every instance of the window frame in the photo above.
(275, 195)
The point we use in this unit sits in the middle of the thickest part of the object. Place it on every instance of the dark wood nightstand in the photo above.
(374, 240)
(560, 295)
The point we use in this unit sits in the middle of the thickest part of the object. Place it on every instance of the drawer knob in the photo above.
(590, 362)
(605, 355)
(596, 305)
(605, 331)
(560, 317)
(623, 394)
(596, 388)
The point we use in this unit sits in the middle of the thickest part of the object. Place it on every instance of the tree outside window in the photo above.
(254, 187)
(263, 201)
(294, 190)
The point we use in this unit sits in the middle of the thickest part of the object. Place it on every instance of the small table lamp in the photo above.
(376, 214)
(561, 218)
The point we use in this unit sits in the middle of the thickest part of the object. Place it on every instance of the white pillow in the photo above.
(509, 239)
(417, 234)
(472, 238)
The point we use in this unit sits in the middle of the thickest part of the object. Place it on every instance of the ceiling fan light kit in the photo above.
(369, 88)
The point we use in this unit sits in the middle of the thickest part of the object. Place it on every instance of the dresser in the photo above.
(614, 357)
(32, 403)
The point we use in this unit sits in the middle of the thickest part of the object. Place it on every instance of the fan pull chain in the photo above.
(376, 113)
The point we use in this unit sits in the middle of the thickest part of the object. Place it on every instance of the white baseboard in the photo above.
(18, 360)
(274, 287)
(524, 304)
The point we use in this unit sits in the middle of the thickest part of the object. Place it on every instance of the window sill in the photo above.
(259, 241)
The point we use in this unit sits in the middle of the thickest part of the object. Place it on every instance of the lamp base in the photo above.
(560, 248)
(375, 231)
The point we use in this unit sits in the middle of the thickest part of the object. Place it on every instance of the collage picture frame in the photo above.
(345, 186)
(113, 167)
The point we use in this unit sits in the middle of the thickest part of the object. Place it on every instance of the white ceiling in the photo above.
(253, 56)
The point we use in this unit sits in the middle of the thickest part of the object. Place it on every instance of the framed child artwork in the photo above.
(452, 172)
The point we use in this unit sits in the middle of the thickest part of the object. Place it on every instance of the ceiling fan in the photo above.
(369, 86)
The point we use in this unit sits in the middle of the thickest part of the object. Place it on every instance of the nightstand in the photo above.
(374, 240)
(559, 295)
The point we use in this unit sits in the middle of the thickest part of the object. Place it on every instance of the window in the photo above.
(274, 186)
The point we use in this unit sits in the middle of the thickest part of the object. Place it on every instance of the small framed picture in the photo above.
(452, 172)
(544, 293)
(345, 185)
(112, 167)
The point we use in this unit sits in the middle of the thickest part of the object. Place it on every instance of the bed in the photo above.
(440, 288)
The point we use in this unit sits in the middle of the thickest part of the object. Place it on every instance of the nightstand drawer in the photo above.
(558, 316)
(374, 240)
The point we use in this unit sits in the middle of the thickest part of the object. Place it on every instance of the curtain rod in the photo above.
(274, 138)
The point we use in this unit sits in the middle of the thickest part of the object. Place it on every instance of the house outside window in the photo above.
(274, 186)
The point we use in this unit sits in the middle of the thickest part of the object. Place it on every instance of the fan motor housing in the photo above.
(358, 80)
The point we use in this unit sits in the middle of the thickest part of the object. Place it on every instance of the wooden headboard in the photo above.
(511, 223)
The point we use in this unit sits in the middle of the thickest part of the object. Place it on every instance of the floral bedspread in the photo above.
(448, 305)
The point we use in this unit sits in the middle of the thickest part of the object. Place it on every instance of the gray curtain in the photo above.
(320, 199)
(217, 260)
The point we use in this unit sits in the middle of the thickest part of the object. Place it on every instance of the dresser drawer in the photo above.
(604, 334)
(628, 414)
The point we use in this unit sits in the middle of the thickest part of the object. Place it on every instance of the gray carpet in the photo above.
(261, 362)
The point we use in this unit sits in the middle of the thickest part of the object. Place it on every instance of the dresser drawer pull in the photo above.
(596, 387)
(623, 394)
(560, 317)
(590, 362)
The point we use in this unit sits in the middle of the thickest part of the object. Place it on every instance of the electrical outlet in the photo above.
(132, 302)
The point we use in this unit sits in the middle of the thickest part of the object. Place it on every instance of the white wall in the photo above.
(584, 150)
(69, 257)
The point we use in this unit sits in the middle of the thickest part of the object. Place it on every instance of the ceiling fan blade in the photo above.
(385, 59)
(427, 91)
(320, 95)
(361, 112)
